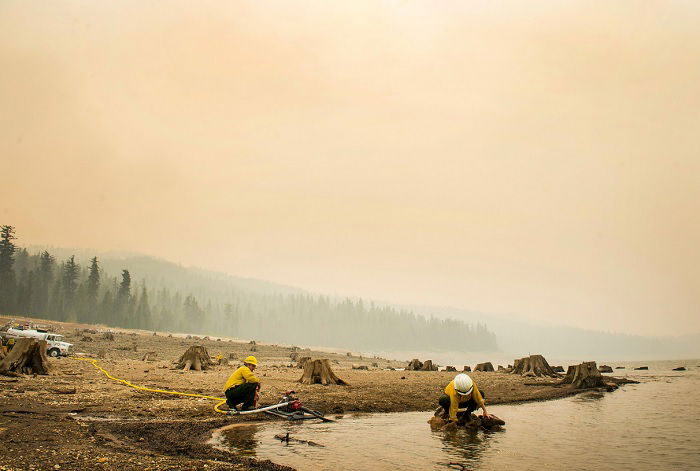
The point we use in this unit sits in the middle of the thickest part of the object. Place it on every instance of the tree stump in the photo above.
(195, 358)
(605, 369)
(534, 365)
(467, 368)
(28, 356)
(320, 372)
(484, 367)
(108, 336)
(150, 356)
(414, 365)
(232, 356)
(303, 361)
(450, 368)
(558, 369)
(428, 366)
(584, 376)
(294, 356)
(253, 348)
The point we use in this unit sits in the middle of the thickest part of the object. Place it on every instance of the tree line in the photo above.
(38, 285)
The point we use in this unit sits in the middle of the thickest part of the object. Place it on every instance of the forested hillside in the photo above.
(147, 293)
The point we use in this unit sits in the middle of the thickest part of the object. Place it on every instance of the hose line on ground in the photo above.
(162, 391)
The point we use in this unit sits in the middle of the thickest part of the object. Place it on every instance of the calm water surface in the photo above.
(652, 425)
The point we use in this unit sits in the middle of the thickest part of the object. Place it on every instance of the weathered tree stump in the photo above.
(414, 365)
(467, 368)
(428, 366)
(558, 369)
(294, 356)
(232, 356)
(605, 369)
(320, 372)
(301, 363)
(484, 367)
(28, 356)
(223, 361)
(150, 356)
(253, 348)
(450, 368)
(584, 376)
(195, 358)
(108, 336)
(534, 365)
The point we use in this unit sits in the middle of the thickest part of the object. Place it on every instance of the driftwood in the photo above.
(414, 365)
(28, 356)
(320, 372)
(484, 367)
(584, 376)
(195, 358)
(428, 366)
(534, 365)
(287, 438)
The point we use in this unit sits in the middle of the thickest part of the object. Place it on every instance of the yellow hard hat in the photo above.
(252, 360)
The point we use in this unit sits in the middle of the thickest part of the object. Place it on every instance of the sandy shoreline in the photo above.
(77, 418)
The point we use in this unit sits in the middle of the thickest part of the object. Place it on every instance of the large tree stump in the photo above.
(195, 358)
(467, 368)
(28, 356)
(484, 367)
(428, 366)
(584, 376)
(414, 365)
(319, 372)
(534, 365)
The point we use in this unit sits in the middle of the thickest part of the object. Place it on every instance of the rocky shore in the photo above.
(76, 418)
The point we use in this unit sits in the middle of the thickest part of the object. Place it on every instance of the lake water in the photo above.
(651, 425)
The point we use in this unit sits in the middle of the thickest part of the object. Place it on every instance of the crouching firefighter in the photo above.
(462, 393)
(243, 386)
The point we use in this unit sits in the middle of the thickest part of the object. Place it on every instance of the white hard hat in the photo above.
(463, 384)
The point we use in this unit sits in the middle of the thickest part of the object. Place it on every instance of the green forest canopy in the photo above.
(38, 285)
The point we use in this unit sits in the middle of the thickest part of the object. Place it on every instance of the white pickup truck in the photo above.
(54, 342)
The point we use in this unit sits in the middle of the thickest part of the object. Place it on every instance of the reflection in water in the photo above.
(464, 447)
(241, 440)
(649, 426)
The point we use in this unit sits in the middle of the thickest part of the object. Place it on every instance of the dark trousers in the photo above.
(471, 405)
(243, 393)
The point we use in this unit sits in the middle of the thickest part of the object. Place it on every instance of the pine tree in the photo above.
(7, 273)
(91, 290)
(44, 278)
(123, 300)
(143, 311)
(69, 285)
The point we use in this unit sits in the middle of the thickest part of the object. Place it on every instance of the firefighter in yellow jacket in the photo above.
(462, 393)
(243, 385)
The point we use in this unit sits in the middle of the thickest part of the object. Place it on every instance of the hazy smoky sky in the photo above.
(534, 158)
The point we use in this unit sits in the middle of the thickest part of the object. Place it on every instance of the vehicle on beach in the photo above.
(55, 346)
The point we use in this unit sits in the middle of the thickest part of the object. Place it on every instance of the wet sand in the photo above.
(77, 418)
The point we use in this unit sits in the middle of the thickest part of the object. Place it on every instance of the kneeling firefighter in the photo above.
(243, 386)
(462, 393)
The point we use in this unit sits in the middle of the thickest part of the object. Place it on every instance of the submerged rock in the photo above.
(605, 369)
(680, 368)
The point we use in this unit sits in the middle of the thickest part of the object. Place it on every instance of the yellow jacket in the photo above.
(240, 376)
(456, 398)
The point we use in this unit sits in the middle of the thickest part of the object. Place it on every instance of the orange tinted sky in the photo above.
(534, 158)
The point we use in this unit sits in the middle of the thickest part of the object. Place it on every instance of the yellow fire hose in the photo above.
(162, 391)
